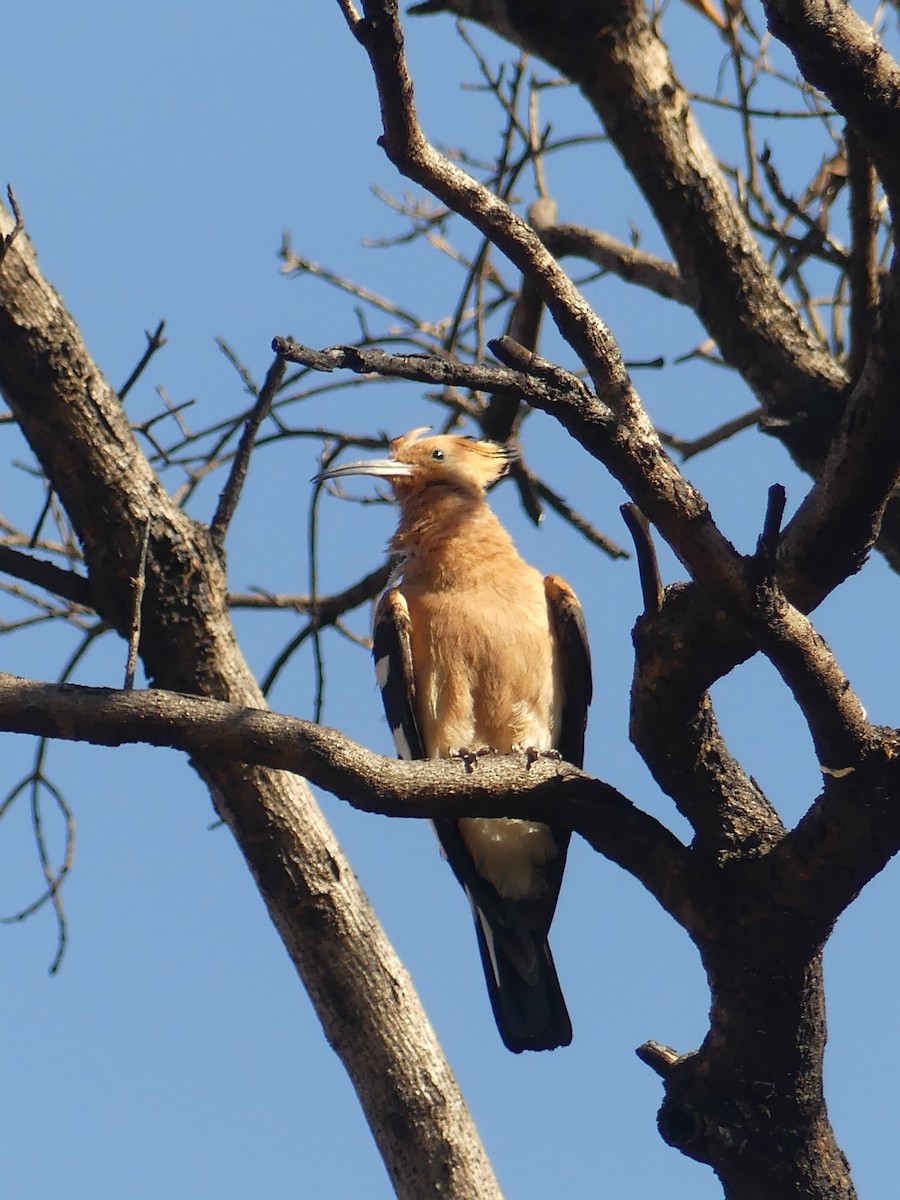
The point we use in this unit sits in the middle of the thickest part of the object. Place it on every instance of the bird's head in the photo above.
(449, 462)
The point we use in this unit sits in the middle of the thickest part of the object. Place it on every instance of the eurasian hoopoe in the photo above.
(474, 648)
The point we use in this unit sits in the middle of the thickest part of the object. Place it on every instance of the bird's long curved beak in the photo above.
(381, 468)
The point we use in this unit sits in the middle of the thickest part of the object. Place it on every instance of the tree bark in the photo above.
(749, 1102)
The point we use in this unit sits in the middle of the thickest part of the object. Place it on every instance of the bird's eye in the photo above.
(437, 455)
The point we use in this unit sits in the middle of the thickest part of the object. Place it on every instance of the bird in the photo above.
(475, 651)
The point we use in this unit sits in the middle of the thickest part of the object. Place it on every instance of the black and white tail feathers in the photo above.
(522, 983)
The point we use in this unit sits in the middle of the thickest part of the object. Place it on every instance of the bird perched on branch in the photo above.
(474, 649)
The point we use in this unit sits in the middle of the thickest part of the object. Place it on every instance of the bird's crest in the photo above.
(459, 460)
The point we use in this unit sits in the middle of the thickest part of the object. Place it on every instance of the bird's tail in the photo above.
(523, 986)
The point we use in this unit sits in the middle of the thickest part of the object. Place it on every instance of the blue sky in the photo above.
(158, 156)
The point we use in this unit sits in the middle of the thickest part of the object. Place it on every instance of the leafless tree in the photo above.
(113, 549)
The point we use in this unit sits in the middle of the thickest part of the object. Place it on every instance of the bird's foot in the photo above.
(471, 756)
(532, 754)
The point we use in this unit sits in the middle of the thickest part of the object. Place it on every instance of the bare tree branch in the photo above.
(327, 607)
(231, 492)
(7, 239)
(500, 785)
(648, 567)
(67, 584)
(836, 719)
(628, 262)
(155, 342)
(863, 273)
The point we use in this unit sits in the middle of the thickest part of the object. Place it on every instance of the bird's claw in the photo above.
(470, 757)
(532, 754)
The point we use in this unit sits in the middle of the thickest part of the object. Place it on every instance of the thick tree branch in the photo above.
(674, 728)
(546, 790)
(843, 841)
(421, 368)
(836, 719)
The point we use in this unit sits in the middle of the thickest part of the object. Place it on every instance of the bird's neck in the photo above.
(448, 537)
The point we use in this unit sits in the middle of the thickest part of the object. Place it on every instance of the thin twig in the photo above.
(42, 517)
(524, 326)
(7, 241)
(139, 581)
(35, 780)
(772, 114)
(687, 449)
(579, 523)
(315, 625)
(326, 607)
(648, 565)
(155, 341)
(284, 656)
(504, 178)
(231, 492)
(295, 263)
(627, 262)
(53, 878)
